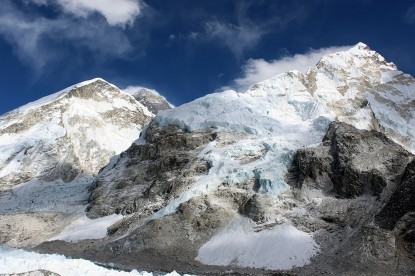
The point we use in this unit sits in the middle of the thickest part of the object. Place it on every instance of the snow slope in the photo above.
(84, 228)
(43, 196)
(278, 247)
(393, 103)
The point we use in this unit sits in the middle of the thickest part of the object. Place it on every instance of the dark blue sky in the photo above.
(184, 48)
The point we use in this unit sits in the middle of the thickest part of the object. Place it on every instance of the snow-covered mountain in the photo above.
(214, 177)
(310, 173)
(76, 130)
(51, 149)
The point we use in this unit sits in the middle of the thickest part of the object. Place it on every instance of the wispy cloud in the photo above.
(237, 38)
(117, 13)
(39, 41)
(410, 14)
(241, 35)
(245, 32)
(256, 70)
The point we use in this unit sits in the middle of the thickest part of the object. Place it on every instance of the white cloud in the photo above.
(37, 41)
(237, 38)
(256, 70)
(116, 12)
(245, 31)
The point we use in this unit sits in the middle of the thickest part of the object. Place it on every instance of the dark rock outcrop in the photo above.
(401, 202)
(256, 208)
(356, 161)
(147, 177)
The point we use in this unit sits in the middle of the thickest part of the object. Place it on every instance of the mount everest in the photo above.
(306, 173)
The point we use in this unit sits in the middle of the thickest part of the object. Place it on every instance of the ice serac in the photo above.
(217, 173)
(51, 149)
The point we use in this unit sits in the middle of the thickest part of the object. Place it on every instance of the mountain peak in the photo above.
(150, 98)
(92, 89)
(362, 49)
(87, 82)
(361, 45)
(72, 90)
(359, 57)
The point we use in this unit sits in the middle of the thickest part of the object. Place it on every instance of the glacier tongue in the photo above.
(278, 116)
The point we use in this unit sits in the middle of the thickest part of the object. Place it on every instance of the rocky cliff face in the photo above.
(148, 176)
(353, 162)
(401, 203)
(349, 186)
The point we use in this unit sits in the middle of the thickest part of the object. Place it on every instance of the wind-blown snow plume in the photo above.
(256, 70)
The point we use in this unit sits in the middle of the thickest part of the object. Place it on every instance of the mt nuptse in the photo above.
(307, 173)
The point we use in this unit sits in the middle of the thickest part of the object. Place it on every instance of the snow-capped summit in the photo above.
(74, 131)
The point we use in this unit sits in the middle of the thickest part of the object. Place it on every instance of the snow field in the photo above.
(279, 247)
(84, 228)
(20, 261)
